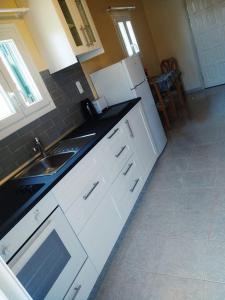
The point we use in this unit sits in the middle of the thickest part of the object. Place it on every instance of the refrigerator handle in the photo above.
(138, 84)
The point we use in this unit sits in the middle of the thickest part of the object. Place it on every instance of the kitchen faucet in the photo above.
(39, 147)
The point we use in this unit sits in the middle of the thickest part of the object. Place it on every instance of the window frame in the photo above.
(18, 115)
(123, 16)
(24, 114)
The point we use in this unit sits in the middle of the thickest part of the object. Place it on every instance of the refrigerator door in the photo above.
(134, 70)
(152, 116)
(113, 83)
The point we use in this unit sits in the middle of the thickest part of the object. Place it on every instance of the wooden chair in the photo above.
(171, 64)
(164, 101)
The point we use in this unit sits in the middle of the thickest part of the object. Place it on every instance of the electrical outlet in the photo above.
(79, 87)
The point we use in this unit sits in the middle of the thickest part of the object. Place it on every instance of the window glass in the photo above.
(85, 20)
(132, 37)
(44, 267)
(6, 109)
(70, 22)
(18, 71)
(127, 34)
(125, 38)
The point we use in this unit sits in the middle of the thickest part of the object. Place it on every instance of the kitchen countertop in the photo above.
(18, 196)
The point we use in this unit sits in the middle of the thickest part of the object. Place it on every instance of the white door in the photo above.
(207, 18)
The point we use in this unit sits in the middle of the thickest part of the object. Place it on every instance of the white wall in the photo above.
(172, 37)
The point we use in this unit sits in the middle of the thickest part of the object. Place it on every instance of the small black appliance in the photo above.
(88, 109)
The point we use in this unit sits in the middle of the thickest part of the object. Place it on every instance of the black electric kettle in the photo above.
(88, 109)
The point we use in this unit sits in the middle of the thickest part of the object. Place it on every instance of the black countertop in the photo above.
(18, 196)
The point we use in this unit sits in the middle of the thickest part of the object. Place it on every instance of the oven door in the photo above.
(49, 261)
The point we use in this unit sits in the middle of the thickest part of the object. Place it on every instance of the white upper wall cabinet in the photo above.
(64, 32)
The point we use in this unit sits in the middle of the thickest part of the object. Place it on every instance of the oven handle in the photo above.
(23, 256)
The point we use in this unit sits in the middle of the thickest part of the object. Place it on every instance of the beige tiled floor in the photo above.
(174, 247)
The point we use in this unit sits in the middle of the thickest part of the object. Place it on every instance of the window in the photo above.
(7, 108)
(19, 73)
(23, 95)
(125, 29)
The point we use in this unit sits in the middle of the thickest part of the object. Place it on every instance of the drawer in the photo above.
(119, 149)
(11, 242)
(85, 204)
(113, 134)
(78, 180)
(127, 187)
(121, 152)
(83, 284)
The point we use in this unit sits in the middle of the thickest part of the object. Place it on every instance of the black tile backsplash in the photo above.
(16, 149)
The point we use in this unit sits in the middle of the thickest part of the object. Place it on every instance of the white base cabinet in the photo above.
(101, 233)
(99, 193)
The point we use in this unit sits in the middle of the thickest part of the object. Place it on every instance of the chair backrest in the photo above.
(168, 65)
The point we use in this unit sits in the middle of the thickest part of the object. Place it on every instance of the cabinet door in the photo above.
(83, 284)
(101, 232)
(51, 34)
(81, 25)
(137, 127)
(74, 23)
(87, 26)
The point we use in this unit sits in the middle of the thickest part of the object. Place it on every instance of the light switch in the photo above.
(79, 87)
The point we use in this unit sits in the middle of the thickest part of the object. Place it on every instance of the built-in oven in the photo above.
(50, 259)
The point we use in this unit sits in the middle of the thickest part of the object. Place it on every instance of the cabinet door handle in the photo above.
(121, 151)
(114, 132)
(85, 197)
(76, 290)
(86, 27)
(130, 129)
(85, 36)
(133, 188)
(128, 169)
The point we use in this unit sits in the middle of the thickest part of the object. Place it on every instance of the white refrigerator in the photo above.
(124, 81)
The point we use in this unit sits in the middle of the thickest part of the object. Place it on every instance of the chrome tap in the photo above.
(39, 147)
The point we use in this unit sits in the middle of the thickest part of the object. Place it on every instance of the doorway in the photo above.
(207, 20)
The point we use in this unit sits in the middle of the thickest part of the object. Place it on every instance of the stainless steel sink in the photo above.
(57, 157)
(73, 144)
(47, 165)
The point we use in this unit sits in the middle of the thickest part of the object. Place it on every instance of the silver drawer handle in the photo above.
(130, 129)
(114, 132)
(121, 151)
(76, 290)
(128, 169)
(133, 188)
(91, 190)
